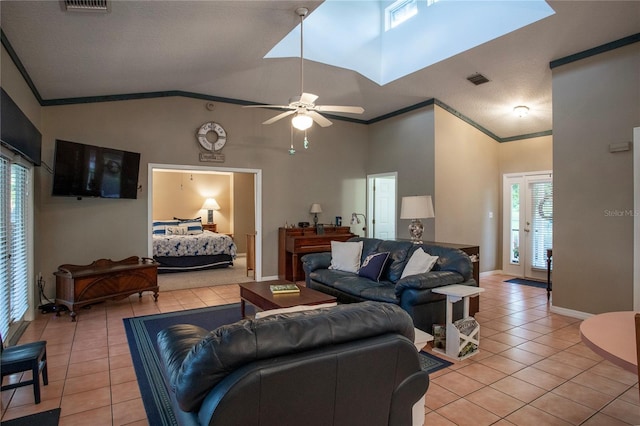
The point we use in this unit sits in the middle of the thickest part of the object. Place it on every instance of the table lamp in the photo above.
(416, 208)
(210, 204)
(315, 209)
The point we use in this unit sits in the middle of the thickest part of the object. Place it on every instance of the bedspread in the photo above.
(207, 243)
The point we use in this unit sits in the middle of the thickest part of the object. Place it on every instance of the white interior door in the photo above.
(527, 223)
(381, 211)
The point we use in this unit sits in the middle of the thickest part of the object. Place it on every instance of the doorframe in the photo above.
(506, 213)
(636, 218)
(371, 201)
(257, 180)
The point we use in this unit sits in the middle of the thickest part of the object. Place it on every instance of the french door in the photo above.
(16, 241)
(527, 223)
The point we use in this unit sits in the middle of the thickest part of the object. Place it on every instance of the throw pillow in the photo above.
(419, 263)
(176, 230)
(298, 308)
(373, 265)
(345, 256)
(187, 220)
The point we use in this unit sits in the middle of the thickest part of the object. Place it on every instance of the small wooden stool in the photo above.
(20, 358)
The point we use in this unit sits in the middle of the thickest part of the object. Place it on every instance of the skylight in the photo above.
(351, 34)
(399, 12)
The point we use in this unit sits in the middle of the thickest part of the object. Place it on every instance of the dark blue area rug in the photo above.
(431, 363)
(141, 336)
(45, 418)
(531, 283)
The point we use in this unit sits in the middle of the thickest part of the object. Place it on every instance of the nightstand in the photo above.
(213, 227)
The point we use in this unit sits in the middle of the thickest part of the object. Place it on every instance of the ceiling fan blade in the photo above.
(338, 108)
(267, 106)
(308, 98)
(278, 117)
(322, 121)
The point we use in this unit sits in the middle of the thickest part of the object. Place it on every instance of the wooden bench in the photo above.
(82, 285)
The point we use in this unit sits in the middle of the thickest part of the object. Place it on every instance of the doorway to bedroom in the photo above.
(185, 192)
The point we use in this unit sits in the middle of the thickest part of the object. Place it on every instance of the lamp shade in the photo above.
(315, 208)
(210, 204)
(417, 207)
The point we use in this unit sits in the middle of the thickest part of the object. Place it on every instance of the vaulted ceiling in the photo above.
(217, 49)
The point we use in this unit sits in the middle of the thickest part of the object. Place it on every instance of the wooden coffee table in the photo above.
(259, 295)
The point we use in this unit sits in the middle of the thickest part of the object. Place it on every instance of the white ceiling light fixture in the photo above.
(521, 111)
(303, 106)
(301, 121)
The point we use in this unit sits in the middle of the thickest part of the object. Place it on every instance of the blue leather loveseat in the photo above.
(413, 293)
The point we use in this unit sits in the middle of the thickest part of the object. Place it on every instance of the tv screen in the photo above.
(82, 170)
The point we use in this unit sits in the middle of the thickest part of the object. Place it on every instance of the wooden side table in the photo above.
(213, 227)
(454, 294)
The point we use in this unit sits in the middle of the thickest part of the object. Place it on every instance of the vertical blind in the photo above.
(14, 253)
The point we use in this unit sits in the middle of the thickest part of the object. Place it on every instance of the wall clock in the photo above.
(220, 135)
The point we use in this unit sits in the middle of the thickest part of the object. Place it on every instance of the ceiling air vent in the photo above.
(86, 5)
(478, 79)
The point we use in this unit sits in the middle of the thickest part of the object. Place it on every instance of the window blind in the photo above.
(19, 260)
(4, 247)
(542, 222)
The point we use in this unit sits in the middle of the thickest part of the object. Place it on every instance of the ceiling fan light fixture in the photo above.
(521, 111)
(301, 121)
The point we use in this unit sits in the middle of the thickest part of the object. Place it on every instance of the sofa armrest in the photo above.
(313, 261)
(174, 344)
(428, 280)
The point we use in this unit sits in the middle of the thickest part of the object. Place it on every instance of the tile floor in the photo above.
(532, 368)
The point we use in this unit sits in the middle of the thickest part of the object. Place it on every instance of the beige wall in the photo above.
(405, 144)
(526, 155)
(181, 194)
(467, 187)
(163, 131)
(15, 86)
(595, 103)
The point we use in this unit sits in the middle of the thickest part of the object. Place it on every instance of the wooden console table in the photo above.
(474, 254)
(82, 285)
(295, 242)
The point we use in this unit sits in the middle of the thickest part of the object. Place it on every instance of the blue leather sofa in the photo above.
(412, 293)
(311, 368)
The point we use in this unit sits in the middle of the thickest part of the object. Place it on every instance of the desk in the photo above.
(612, 335)
(293, 243)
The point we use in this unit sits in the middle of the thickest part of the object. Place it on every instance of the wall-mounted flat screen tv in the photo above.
(82, 170)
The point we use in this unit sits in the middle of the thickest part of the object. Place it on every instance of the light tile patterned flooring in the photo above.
(532, 368)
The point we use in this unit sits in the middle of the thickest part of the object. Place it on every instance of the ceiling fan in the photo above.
(303, 107)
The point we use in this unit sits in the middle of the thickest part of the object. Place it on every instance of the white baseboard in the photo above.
(271, 278)
(570, 312)
(489, 273)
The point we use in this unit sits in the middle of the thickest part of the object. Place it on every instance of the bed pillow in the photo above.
(373, 265)
(345, 256)
(160, 226)
(187, 220)
(419, 263)
(193, 226)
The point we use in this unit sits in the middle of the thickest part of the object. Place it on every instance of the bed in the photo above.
(182, 245)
